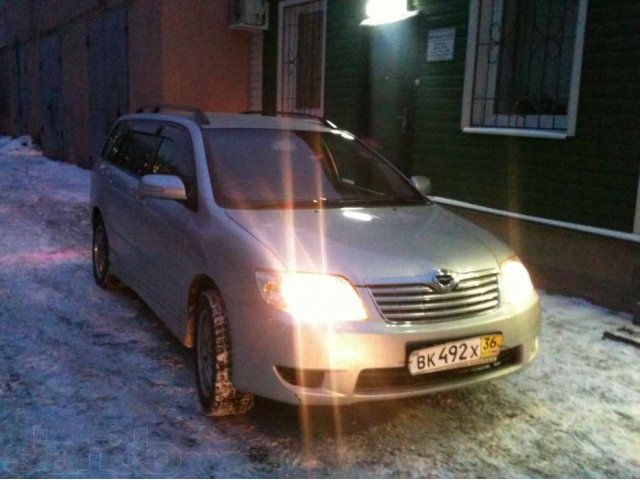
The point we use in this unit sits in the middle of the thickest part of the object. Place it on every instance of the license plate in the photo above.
(458, 354)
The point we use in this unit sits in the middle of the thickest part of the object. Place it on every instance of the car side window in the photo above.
(175, 157)
(113, 147)
(139, 152)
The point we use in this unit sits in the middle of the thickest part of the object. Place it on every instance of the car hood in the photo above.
(373, 245)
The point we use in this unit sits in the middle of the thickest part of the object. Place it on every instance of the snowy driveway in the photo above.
(91, 384)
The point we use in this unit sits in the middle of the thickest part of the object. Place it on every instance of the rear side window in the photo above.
(147, 147)
(139, 153)
(133, 146)
(113, 147)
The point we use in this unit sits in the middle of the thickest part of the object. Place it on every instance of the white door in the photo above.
(301, 56)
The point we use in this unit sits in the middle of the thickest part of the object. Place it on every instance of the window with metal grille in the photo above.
(523, 66)
(301, 56)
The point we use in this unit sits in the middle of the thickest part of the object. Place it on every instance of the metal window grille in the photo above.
(300, 88)
(524, 58)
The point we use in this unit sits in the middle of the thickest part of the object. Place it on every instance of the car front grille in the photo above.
(476, 293)
(385, 380)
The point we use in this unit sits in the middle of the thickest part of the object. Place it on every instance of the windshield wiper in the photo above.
(320, 203)
(374, 201)
(280, 204)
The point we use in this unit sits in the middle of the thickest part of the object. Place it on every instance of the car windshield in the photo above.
(269, 168)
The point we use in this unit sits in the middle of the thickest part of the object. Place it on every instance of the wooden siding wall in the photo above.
(590, 179)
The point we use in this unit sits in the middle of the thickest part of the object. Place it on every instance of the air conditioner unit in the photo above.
(249, 14)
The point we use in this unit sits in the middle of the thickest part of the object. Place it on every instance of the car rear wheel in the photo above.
(213, 360)
(100, 254)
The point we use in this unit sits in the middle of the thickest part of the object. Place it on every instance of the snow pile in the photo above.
(93, 385)
(23, 146)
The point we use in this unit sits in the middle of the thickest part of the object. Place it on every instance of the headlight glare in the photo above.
(516, 283)
(311, 297)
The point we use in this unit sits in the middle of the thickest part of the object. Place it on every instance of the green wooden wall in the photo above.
(347, 66)
(590, 179)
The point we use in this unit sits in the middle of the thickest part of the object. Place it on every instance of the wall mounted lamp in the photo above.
(381, 12)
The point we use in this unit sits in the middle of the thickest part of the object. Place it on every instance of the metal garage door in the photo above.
(51, 97)
(20, 85)
(108, 75)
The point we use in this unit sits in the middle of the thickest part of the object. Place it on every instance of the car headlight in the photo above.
(516, 283)
(311, 297)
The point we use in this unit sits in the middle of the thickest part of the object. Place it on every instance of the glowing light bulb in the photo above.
(380, 12)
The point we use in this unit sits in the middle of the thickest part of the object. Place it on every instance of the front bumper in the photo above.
(363, 361)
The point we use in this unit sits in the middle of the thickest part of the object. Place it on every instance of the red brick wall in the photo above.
(145, 53)
(204, 62)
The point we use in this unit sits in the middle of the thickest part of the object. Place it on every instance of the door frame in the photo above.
(402, 36)
(281, 6)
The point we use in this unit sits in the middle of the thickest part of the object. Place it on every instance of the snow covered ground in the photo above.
(92, 384)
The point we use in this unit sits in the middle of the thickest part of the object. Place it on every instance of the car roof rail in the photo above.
(322, 120)
(198, 115)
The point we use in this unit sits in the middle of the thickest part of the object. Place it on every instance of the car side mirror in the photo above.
(168, 187)
(422, 184)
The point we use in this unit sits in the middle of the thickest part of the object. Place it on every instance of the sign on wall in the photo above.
(440, 44)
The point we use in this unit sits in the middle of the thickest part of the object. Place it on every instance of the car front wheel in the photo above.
(213, 360)
(100, 254)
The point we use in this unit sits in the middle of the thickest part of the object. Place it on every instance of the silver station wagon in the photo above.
(301, 265)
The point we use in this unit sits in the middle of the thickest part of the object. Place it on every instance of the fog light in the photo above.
(301, 378)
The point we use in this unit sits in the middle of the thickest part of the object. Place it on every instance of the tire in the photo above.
(100, 256)
(212, 352)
